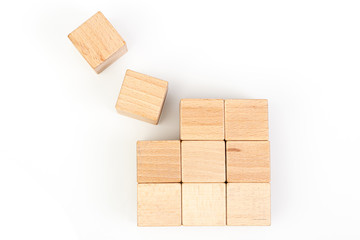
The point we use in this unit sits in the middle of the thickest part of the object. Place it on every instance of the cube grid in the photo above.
(221, 164)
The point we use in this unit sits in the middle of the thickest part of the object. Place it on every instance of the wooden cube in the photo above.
(98, 42)
(159, 204)
(158, 161)
(246, 119)
(142, 97)
(248, 161)
(202, 119)
(203, 204)
(203, 161)
(248, 204)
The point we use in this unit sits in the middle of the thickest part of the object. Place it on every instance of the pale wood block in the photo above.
(142, 97)
(159, 204)
(98, 42)
(158, 161)
(203, 204)
(248, 204)
(202, 119)
(246, 119)
(248, 161)
(203, 161)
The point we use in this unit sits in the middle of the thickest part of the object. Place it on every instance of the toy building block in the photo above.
(248, 204)
(142, 97)
(203, 161)
(203, 204)
(159, 204)
(248, 161)
(246, 119)
(202, 119)
(158, 161)
(98, 42)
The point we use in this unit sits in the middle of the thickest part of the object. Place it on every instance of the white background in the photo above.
(68, 160)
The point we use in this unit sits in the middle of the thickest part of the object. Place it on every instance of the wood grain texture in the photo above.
(159, 204)
(202, 119)
(203, 161)
(248, 161)
(246, 119)
(142, 97)
(204, 204)
(98, 42)
(248, 204)
(158, 161)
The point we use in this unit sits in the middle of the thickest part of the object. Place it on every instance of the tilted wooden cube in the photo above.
(158, 161)
(202, 119)
(248, 161)
(246, 119)
(203, 161)
(248, 204)
(159, 204)
(98, 42)
(203, 204)
(142, 97)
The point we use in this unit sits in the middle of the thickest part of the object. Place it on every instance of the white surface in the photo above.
(67, 159)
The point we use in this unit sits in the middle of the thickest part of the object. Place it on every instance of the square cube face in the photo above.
(248, 161)
(98, 42)
(246, 119)
(158, 161)
(159, 204)
(248, 204)
(202, 119)
(203, 204)
(142, 97)
(203, 161)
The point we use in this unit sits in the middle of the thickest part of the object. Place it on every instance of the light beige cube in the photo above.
(202, 119)
(203, 204)
(158, 161)
(248, 204)
(246, 119)
(248, 161)
(142, 97)
(98, 42)
(203, 161)
(159, 204)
